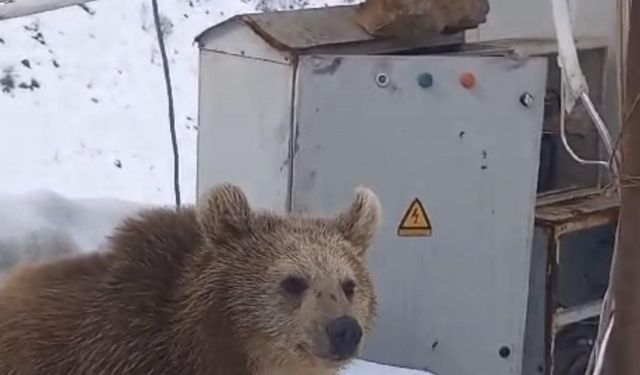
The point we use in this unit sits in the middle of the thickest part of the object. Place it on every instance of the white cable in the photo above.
(567, 53)
(574, 85)
(603, 348)
(597, 120)
(563, 134)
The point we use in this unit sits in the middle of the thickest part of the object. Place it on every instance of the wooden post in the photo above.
(20, 8)
(623, 357)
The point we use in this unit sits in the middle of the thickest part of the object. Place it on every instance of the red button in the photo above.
(467, 80)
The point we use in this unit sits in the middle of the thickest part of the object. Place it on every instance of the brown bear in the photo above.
(207, 290)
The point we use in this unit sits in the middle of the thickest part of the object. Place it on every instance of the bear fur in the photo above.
(208, 290)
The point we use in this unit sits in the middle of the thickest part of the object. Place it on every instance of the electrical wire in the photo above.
(573, 77)
(574, 85)
(605, 340)
(172, 121)
(600, 126)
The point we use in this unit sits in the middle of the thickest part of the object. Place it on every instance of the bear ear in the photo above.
(223, 212)
(359, 223)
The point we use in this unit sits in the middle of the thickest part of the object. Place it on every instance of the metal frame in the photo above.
(559, 213)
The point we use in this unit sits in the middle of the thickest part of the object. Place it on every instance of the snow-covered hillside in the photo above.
(83, 103)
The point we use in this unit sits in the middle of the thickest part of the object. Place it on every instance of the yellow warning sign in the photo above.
(415, 222)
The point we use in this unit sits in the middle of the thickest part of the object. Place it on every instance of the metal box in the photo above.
(300, 107)
(571, 258)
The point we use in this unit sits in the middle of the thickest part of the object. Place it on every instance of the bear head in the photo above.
(294, 288)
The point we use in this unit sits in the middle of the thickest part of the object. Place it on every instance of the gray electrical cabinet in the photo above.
(300, 107)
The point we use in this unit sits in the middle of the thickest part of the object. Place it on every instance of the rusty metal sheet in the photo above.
(525, 47)
(328, 29)
(575, 206)
(308, 28)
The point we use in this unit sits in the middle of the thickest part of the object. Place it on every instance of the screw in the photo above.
(504, 352)
(382, 79)
(526, 99)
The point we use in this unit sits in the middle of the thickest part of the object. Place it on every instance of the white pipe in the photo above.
(21, 8)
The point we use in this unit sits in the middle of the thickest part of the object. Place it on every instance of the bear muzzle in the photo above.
(344, 335)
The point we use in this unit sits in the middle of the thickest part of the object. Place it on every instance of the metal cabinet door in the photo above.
(453, 302)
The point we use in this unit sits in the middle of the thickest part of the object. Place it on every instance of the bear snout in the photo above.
(344, 334)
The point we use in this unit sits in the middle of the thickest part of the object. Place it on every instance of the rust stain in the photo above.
(275, 43)
(576, 209)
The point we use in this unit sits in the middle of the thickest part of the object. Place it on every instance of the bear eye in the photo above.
(294, 285)
(349, 289)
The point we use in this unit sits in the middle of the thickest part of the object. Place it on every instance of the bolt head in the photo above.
(504, 352)
(382, 79)
(526, 99)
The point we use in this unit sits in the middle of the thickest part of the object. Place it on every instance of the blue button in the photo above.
(425, 80)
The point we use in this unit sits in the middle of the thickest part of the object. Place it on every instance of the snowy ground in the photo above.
(83, 102)
(367, 368)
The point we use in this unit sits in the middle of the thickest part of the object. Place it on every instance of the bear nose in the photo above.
(344, 336)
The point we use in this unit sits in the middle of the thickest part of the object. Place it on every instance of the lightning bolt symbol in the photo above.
(415, 216)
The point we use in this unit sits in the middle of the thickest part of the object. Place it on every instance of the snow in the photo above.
(85, 136)
(368, 368)
(41, 224)
(83, 102)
